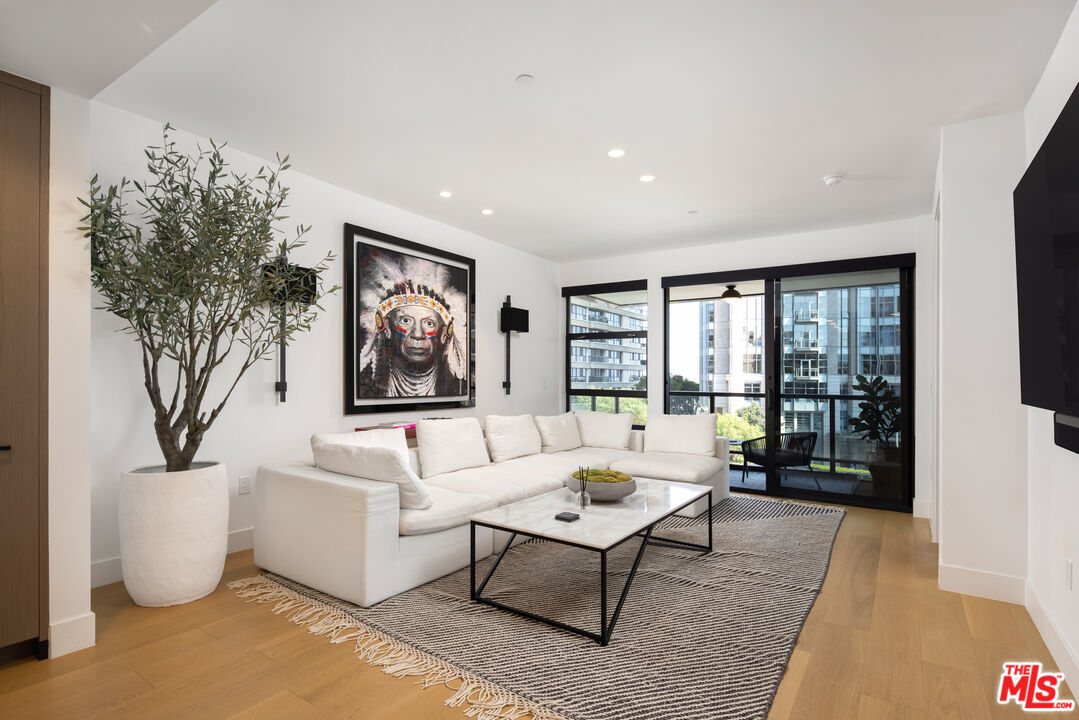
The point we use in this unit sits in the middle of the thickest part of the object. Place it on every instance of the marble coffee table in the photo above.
(601, 528)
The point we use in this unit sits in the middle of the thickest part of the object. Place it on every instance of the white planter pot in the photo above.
(173, 532)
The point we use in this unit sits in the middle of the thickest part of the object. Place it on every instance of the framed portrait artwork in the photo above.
(409, 336)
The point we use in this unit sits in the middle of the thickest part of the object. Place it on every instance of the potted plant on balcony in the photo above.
(878, 422)
(195, 274)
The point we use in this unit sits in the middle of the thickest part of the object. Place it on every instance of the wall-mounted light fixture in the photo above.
(511, 320)
(285, 283)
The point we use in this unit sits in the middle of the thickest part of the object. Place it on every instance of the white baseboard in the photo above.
(108, 571)
(921, 508)
(981, 583)
(1063, 653)
(105, 572)
(243, 539)
(72, 634)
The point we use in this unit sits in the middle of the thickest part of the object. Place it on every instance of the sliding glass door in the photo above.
(718, 352)
(841, 388)
(809, 370)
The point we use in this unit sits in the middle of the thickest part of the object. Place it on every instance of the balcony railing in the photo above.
(839, 445)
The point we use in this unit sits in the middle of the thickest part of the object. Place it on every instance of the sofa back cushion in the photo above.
(558, 432)
(375, 463)
(511, 436)
(451, 444)
(604, 430)
(692, 434)
(393, 438)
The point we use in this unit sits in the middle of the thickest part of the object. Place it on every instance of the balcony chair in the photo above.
(792, 450)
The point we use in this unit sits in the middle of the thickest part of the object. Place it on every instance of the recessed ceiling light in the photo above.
(647, 178)
(692, 212)
(831, 180)
(525, 80)
(487, 211)
(616, 153)
(445, 193)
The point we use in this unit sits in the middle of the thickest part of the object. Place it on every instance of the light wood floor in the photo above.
(881, 642)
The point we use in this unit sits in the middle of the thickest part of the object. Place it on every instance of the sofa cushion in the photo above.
(449, 509)
(681, 467)
(604, 430)
(558, 465)
(694, 434)
(379, 437)
(375, 463)
(558, 432)
(504, 484)
(511, 436)
(591, 457)
(450, 444)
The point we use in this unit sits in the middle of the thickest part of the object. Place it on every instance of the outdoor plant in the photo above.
(879, 416)
(196, 274)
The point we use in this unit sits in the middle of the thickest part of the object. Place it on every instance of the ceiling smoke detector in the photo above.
(831, 180)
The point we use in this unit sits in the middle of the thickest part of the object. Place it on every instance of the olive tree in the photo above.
(195, 271)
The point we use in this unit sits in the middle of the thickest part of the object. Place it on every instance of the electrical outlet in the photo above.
(1068, 573)
(245, 484)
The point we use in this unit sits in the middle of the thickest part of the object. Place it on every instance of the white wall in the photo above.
(254, 428)
(1053, 473)
(902, 236)
(982, 516)
(71, 623)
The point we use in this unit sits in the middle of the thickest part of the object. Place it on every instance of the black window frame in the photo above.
(568, 293)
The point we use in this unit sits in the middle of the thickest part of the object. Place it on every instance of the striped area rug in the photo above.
(701, 637)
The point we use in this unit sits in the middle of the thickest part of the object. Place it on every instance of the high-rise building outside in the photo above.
(607, 363)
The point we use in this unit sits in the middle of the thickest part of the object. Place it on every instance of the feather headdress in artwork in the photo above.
(390, 280)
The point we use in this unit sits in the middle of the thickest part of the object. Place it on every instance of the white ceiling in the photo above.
(738, 106)
(83, 45)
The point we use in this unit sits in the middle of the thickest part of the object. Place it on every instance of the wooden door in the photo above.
(23, 357)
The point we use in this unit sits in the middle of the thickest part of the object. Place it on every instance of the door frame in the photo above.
(905, 263)
(42, 91)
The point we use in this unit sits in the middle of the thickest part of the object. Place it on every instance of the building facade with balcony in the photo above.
(829, 337)
(606, 363)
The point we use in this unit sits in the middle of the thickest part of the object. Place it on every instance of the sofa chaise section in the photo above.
(342, 535)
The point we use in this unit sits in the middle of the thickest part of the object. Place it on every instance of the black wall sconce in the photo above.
(511, 320)
(285, 283)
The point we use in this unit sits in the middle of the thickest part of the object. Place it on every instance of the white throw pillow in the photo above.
(448, 445)
(558, 432)
(375, 463)
(393, 438)
(693, 434)
(511, 436)
(604, 430)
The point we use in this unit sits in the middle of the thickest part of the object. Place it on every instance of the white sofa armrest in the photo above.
(636, 440)
(319, 528)
(723, 449)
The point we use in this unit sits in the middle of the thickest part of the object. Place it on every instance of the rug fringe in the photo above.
(477, 697)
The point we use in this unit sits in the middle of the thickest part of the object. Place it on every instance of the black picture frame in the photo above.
(362, 248)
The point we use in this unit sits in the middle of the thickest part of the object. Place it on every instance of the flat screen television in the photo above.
(1046, 204)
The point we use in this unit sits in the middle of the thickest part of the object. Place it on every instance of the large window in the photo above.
(607, 348)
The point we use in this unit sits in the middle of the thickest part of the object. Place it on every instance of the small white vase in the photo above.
(173, 532)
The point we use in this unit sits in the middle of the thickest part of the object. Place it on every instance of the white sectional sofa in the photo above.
(350, 536)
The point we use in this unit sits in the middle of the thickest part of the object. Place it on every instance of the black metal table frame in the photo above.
(603, 637)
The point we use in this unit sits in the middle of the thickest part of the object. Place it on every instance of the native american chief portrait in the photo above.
(412, 326)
